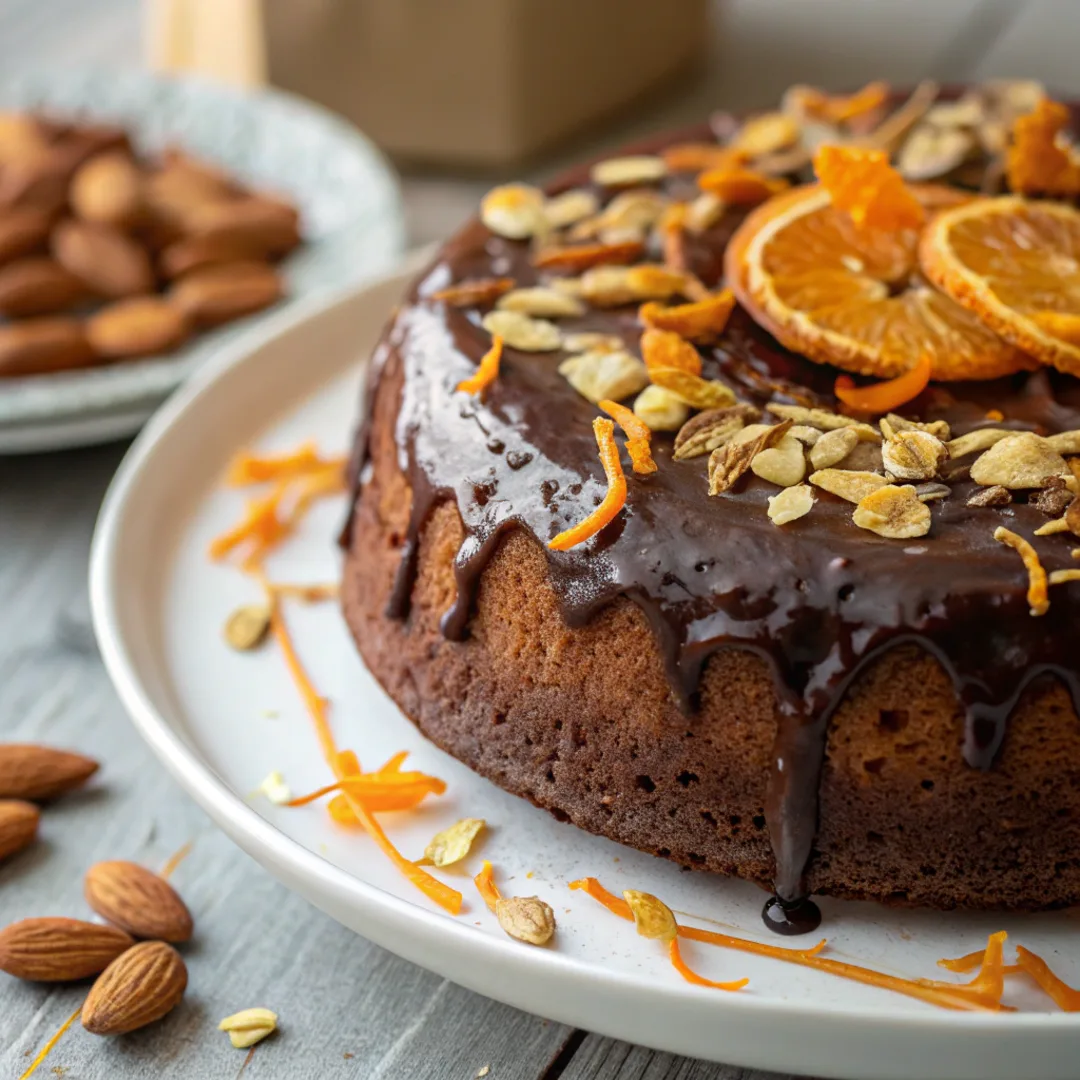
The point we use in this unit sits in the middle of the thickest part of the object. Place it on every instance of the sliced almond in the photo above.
(570, 207)
(703, 212)
(592, 341)
(660, 409)
(893, 512)
(523, 332)
(1020, 461)
(766, 134)
(848, 484)
(783, 464)
(514, 211)
(823, 419)
(1065, 442)
(628, 171)
(540, 301)
(976, 441)
(791, 504)
(605, 375)
(832, 447)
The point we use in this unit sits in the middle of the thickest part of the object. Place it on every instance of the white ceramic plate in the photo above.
(221, 721)
(347, 195)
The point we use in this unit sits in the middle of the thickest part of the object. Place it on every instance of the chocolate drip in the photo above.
(819, 599)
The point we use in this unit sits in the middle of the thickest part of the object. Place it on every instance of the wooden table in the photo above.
(348, 1009)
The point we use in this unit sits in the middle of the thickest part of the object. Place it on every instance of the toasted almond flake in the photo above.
(246, 628)
(652, 917)
(628, 171)
(453, 844)
(526, 918)
(832, 447)
(710, 429)
(990, 496)
(808, 436)
(650, 282)
(599, 375)
(1036, 596)
(275, 789)
(783, 464)
(766, 134)
(848, 483)
(601, 286)
(913, 455)
(1021, 460)
(938, 428)
(791, 504)
(728, 463)
(249, 1026)
(578, 257)
(697, 392)
(703, 212)
(661, 409)
(474, 293)
(591, 341)
(893, 512)
(822, 418)
(570, 207)
(1065, 442)
(976, 441)
(514, 211)
(1060, 577)
(931, 151)
(540, 301)
(1052, 528)
(522, 332)
(636, 211)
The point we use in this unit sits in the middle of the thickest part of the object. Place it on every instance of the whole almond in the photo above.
(267, 227)
(35, 184)
(23, 232)
(110, 262)
(21, 138)
(34, 773)
(141, 326)
(59, 950)
(137, 900)
(194, 252)
(217, 294)
(18, 825)
(108, 189)
(37, 285)
(36, 346)
(137, 988)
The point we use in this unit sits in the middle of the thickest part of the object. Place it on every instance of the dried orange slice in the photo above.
(853, 296)
(1016, 264)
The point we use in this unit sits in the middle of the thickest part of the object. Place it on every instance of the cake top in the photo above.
(704, 295)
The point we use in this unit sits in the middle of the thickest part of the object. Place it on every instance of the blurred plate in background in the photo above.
(347, 194)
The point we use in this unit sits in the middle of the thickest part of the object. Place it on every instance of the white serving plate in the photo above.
(347, 195)
(221, 721)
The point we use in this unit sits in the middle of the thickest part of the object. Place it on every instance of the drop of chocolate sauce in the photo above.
(791, 917)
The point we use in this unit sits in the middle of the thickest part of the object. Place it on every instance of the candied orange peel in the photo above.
(840, 108)
(486, 887)
(741, 187)
(942, 994)
(695, 157)
(667, 349)
(488, 370)
(1064, 996)
(576, 257)
(1037, 595)
(889, 395)
(702, 321)
(614, 500)
(474, 293)
(637, 434)
(1037, 163)
(864, 185)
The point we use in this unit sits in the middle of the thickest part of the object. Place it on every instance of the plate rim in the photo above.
(383, 914)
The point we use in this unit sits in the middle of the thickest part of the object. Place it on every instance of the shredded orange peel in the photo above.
(1039, 162)
(973, 996)
(487, 372)
(840, 108)
(486, 887)
(637, 434)
(889, 395)
(614, 500)
(863, 184)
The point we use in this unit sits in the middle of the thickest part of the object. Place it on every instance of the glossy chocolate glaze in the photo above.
(818, 599)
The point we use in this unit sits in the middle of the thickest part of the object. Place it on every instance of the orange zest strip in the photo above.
(583, 256)
(988, 986)
(691, 976)
(614, 500)
(947, 997)
(441, 894)
(1064, 996)
(48, 1047)
(668, 349)
(176, 859)
(637, 435)
(840, 108)
(260, 523)
(886, 396)
(702, 321)
(487, 372)
(864, 185)
(742, 187)
(247, 469)
(695, 157)
(486, 887)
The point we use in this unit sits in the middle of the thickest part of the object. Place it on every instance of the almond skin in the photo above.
(35, 773)
(141, 326)
(23, 232)
(37, 285)
(18, 825)
(108, 189)
(217, 294)
(136, 989)
(36, 346)
(59, 950)
(137, 900)
(107, 260)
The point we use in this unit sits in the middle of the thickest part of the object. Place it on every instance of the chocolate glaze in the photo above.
(818, 599)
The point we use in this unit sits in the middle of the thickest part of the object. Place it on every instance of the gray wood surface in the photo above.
(348, 1009)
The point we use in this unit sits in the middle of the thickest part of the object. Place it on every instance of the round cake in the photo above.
(880, 708)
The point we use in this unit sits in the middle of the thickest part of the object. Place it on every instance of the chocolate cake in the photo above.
(810, 706)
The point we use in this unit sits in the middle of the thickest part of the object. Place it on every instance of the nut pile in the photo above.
(107, 256)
